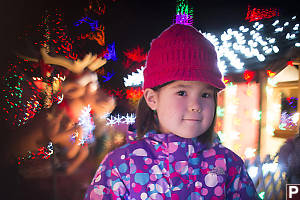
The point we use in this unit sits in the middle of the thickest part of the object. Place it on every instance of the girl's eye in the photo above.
(206, 95)
(181, 93)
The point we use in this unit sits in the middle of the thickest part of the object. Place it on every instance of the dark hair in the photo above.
(145, 119)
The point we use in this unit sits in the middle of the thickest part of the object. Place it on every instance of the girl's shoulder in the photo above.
(126, 151)
(228, 154)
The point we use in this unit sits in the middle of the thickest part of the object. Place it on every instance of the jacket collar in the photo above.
(163, 139)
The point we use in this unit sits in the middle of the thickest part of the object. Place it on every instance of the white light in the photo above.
(286, 24)
(252, 32)
(275, 23)
(269, 129)
(272, 40)
(135, 79)
(212, 38)
(297, 44)
(268, 51)
(241, 41)
(236, 63)
(269, 167)
(280, 29)
(295, 118)
(255, 24)
(275, 49)
(227, 44)
(249, 152)
(229, 31)
(236, 46)
(293, 36)
(247, 52)
(245, 30)
(290, 36)
(252, 171)
(263, 43)
(255, 35)
(234, 134)
(294, 17)
(225, 37)
(222, 66)
(128, 119)
(261, 57)
(86, 122)
(254, 51)
(250, 42)
(235, 33)
(269, 90)
(272, 81)
(256, 114)
(260, 27)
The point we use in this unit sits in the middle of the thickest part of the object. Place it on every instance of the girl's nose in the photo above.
(196, 106)
(196, 110)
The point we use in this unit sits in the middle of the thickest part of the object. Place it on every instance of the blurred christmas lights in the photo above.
(137, 54)
(256, 14)
(184, 15)
(93, 23)
(43, 153)
(128, 119)
(135, 79)
(111, 52)
(257, 40)
(87, 125)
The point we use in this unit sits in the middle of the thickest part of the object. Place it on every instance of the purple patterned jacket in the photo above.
(166, 166)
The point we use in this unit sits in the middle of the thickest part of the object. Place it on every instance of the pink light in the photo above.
(184, 19)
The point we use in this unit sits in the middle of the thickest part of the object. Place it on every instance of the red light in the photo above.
(136, 54)
(249, 75)
(256, 14)
(290, 63)
(134, 93)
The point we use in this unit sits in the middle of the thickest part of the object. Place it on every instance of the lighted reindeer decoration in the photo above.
(82, 95)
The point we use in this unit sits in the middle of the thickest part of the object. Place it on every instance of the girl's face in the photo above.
(184, 108)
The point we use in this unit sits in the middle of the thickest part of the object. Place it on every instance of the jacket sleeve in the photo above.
(107, 182)
(239, 184)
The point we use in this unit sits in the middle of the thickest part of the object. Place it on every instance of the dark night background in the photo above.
(128, 23)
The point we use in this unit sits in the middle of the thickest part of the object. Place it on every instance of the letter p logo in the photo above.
(293, 191)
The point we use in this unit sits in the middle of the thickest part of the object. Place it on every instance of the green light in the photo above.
(220, 111)
(261, 195)
(282, 126)
(183, 8)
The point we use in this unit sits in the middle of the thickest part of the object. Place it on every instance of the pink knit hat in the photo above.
(181, 53)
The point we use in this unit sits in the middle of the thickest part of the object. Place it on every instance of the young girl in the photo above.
(176, 155)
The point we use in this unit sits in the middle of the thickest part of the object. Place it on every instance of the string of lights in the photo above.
(238, 48)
